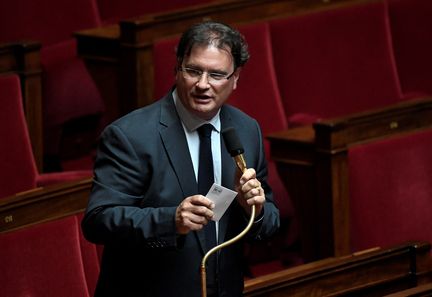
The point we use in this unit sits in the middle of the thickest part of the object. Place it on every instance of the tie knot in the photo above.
(205, 130)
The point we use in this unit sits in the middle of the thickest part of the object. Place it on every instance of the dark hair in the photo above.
(216, 34)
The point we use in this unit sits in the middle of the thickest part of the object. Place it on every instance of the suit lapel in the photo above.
(174, 139)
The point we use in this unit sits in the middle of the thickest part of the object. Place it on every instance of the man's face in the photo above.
(199, 95)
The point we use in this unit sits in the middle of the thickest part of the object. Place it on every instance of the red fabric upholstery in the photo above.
(335, 62)
(263, 101)
(390, 185)
(112, 11)
(411, 25)
(18, 170)
(47, 21)
(164, 59)
(90, 258)
(68, 90)
(43, 261)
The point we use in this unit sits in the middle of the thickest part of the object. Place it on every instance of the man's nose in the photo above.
(203, 81)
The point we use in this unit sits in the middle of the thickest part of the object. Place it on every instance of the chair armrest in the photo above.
(43, 204)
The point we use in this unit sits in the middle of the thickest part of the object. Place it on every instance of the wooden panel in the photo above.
(370, 273)
(23, 59)
(419, 291)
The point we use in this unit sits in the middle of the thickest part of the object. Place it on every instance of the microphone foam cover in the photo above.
(232, 142)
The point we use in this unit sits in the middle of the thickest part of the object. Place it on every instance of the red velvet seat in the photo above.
(411, 23)
(390, 184)
(68, 91)
(335, 62)
(19, 171)
(43, 260)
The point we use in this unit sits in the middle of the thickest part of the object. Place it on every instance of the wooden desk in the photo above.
(312, 163)
(370, 273)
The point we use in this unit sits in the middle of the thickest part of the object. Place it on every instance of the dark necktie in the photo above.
(205, 181)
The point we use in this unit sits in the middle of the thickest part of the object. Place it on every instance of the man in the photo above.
(146, 206)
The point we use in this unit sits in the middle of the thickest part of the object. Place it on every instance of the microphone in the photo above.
(234, 147)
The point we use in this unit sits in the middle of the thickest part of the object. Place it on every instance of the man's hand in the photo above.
(193, 214)
(250, 191)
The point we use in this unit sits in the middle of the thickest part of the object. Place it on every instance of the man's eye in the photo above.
(193, 72)
(217, 76)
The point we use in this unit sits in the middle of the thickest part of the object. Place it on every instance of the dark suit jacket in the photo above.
(142, 173)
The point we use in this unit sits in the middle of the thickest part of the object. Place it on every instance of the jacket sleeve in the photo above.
(116, 211)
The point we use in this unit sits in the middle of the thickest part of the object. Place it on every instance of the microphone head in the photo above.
(232, 142)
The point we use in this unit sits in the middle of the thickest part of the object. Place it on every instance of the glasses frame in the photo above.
(210, 79)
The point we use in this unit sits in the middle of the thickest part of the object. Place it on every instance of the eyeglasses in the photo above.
(214, 78)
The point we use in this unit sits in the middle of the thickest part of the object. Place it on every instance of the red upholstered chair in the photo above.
(43, 260)
(390, 184)
(411, 23)
(335, 62)
(19, 171)
(112, 11)
(68, 92)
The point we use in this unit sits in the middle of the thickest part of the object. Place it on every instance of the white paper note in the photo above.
(222, 198)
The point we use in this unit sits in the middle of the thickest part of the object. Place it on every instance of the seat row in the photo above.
(53, 259)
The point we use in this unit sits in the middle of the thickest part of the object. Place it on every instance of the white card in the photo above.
(222, 198)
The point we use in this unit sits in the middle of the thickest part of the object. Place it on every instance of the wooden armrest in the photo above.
(333, 135)
(43, 204)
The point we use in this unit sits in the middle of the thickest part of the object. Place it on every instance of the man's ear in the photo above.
(236, 77)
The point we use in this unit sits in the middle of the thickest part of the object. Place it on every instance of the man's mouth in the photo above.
(201, 97)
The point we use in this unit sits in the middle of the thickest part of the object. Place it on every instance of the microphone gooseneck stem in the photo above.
(241, 164)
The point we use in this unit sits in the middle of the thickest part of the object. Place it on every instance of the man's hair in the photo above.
(216, 34)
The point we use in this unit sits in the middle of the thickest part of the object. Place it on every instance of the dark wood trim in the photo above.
(419, 291)
(375, 272)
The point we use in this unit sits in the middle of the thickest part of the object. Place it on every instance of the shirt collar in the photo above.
(191, 121)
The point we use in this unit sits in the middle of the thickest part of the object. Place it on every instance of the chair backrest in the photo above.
(43, 260)
(390, 184)
(334, 62)
(258, 95)
(411, 23)
(18, 170)
(46, 21)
